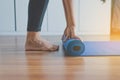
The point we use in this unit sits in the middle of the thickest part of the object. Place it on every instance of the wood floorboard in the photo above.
(17, 64)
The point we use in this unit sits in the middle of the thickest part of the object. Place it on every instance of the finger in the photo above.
(64, 38)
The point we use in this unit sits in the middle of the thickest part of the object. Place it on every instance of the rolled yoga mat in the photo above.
(73, 47)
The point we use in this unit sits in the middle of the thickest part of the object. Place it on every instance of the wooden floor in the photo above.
(17, 64)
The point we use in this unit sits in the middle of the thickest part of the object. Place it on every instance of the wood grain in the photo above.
(17, 64)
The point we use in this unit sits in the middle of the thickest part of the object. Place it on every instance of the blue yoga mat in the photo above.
(101, 48)
(73, 47)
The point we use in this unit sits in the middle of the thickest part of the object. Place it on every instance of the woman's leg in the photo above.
(70, 19)
(36, 12)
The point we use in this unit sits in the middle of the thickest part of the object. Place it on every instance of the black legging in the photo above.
(36, 12)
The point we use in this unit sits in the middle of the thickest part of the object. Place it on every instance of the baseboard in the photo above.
(51, 33)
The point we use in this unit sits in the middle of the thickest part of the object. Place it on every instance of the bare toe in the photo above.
(55, 48)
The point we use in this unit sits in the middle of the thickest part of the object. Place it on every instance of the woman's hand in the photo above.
(69, 33)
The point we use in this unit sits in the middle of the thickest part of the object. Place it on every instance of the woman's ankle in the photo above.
(33, 35)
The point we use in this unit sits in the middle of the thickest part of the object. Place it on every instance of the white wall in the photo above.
(7, 23)
(92, 17)
(56, 18)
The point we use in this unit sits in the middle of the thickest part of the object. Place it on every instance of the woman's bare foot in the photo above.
(35, 43)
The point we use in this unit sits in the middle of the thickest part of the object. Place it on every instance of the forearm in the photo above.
(69, 12)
